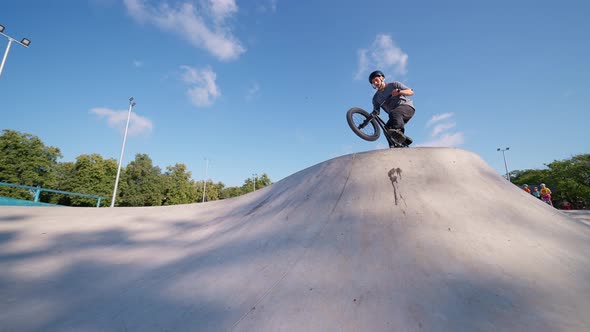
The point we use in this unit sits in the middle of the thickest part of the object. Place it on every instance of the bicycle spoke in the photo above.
(361, 123)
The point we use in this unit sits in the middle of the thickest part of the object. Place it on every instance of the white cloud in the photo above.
(268, 6)
(184, 20)
(252, 92)
(440, 135)
(221, 9)
(448, 140)
(438, 118)
(384, 55)
(203, 89)
(363, 64)
(118, 119)
(439, 128)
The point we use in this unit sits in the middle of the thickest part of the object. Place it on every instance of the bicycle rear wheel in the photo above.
(363, 124)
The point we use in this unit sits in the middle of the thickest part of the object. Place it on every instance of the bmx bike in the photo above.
(368, 126)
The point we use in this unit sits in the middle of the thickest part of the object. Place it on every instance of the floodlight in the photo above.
(24, 42)
(505, 164)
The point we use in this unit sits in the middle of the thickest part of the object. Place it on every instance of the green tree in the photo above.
(213, 191)
(92, 175)
(63, 173)
(141, 183)
(263, 181)
(568, 179)
(179, 188)
(231, 192)
(529, 176)
(26, 160)
(571, 180)
(256, 183)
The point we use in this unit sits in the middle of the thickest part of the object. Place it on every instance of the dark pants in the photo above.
(399, 116)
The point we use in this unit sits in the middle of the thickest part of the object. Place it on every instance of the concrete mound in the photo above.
(421, 239)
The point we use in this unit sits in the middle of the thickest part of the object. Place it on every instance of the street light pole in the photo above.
(205, 179)
(131, 104)
(5, 55)
(254, 176)
(24, 42)
(505, 165)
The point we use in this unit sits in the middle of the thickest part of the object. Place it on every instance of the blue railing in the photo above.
(38, 191)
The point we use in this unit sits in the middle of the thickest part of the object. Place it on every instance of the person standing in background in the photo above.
(546, 194)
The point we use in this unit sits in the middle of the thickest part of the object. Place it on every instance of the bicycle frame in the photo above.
(358, 128)
(381, 124)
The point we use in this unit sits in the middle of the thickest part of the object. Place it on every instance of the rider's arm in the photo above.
(406, 92)
(376, 106)
(401, 90)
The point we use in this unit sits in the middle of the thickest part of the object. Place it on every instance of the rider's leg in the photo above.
(398, 117)
(396, 120)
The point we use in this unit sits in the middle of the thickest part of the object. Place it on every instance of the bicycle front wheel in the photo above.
(363, 124)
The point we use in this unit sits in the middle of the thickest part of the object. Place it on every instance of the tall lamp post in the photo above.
(254, 177)
(505, 165)
(24, 42)
(131, 104)
(205, 179)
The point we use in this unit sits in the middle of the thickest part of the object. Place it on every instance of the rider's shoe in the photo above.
(408, 141)
(397, 136)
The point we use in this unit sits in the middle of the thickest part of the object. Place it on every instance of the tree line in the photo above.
(26, 160)
(569, 180)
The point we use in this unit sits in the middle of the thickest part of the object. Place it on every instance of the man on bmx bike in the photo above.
(393, 98)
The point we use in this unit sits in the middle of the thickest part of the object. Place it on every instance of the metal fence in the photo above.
(38, 190)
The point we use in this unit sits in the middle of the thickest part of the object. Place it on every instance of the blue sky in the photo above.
(263, 86)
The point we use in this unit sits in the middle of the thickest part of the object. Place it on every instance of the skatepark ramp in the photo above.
(420, 239)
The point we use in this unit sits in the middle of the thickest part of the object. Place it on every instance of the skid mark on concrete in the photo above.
(394, 174)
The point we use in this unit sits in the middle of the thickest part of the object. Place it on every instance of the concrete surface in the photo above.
(579, 215)
(420, 239)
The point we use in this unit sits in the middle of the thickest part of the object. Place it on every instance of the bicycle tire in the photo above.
(358, 120)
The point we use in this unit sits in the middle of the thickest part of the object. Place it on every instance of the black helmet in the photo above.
(374, 74)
